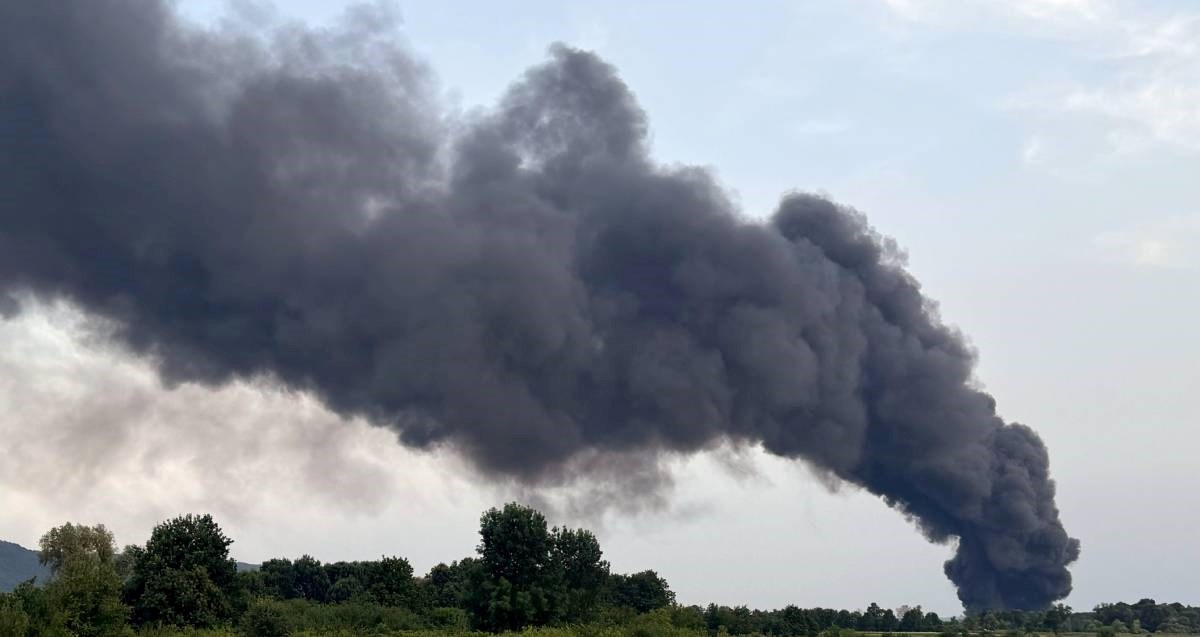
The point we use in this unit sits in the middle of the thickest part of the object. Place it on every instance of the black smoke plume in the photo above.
(526, 285)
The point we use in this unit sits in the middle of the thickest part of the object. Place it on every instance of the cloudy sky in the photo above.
(1035, 158)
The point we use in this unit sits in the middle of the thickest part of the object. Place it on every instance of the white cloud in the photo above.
(1032, 151)
(1173, 243)
(958, 13)
(1150, 97)
(822, 127)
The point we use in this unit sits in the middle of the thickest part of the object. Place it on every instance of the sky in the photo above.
(1034, 158)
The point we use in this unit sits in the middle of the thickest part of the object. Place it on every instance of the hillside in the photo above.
(18, 564)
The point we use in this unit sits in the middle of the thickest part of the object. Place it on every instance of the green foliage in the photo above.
(448, 618)
(346, 589)
(577, 563)
(35, 608)
(516, 584)
(72, 543)
(643, 592)
(1056, 617)
(14, 621)
(838, 631)
(85, 590)
(515, 545)
(183, 584)
(249, 585)
(387, 581)
(912, 620)
(89, 600)
(263, 619)
(279, 578)
(303, 615)
(447, 585)
(183, 576)
(187, 631)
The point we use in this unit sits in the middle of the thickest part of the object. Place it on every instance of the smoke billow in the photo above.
(525, 286)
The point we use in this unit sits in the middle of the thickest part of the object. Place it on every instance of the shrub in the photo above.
(263, 619)
(13, 619)
(447, 618)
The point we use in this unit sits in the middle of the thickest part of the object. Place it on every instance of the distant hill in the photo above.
(18, 564)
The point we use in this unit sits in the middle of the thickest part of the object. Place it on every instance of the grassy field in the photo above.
(637, 629)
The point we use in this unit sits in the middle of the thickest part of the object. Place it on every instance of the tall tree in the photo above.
(578, 563)
(912, 620)
(643, 592)
(183, 576)
(279, 578)
(515, 586)
(84, 588)
(448, 583)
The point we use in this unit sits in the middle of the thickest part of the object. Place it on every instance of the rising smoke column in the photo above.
(525, 286)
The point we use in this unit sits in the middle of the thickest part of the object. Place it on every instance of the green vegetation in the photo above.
(527, 580)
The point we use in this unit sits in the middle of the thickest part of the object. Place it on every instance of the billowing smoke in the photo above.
(525, 285)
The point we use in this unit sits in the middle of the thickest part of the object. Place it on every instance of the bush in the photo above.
(13, 619)
(447, 618)
(352, 617)
(263, 619)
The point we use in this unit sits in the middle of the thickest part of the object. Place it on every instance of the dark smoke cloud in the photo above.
(527, 286)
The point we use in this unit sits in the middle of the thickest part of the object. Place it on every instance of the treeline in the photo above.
(1148, 616)
(1106, 620)
(524, 575)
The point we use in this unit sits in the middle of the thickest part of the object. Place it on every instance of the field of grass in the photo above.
(635, 629)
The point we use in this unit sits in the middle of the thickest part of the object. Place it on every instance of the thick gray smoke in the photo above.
(526, 286)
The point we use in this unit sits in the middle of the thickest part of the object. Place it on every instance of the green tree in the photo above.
(14, 621)
(29, 608)
(912, 620)
(311, 580)
(578, 563)
(84, 587)
(279, 578)
(390, 581)
(871, 618)
(263, 619)
(448, 583)
(515, 544)
(1174, 625)
(74, 542)
(250, 585)
(1056, 617)
(303, 579)
(346, 589)
(643, 592)
(183, 576)
(515, 585)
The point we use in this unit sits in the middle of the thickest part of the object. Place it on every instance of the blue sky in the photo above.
(1037, 159)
